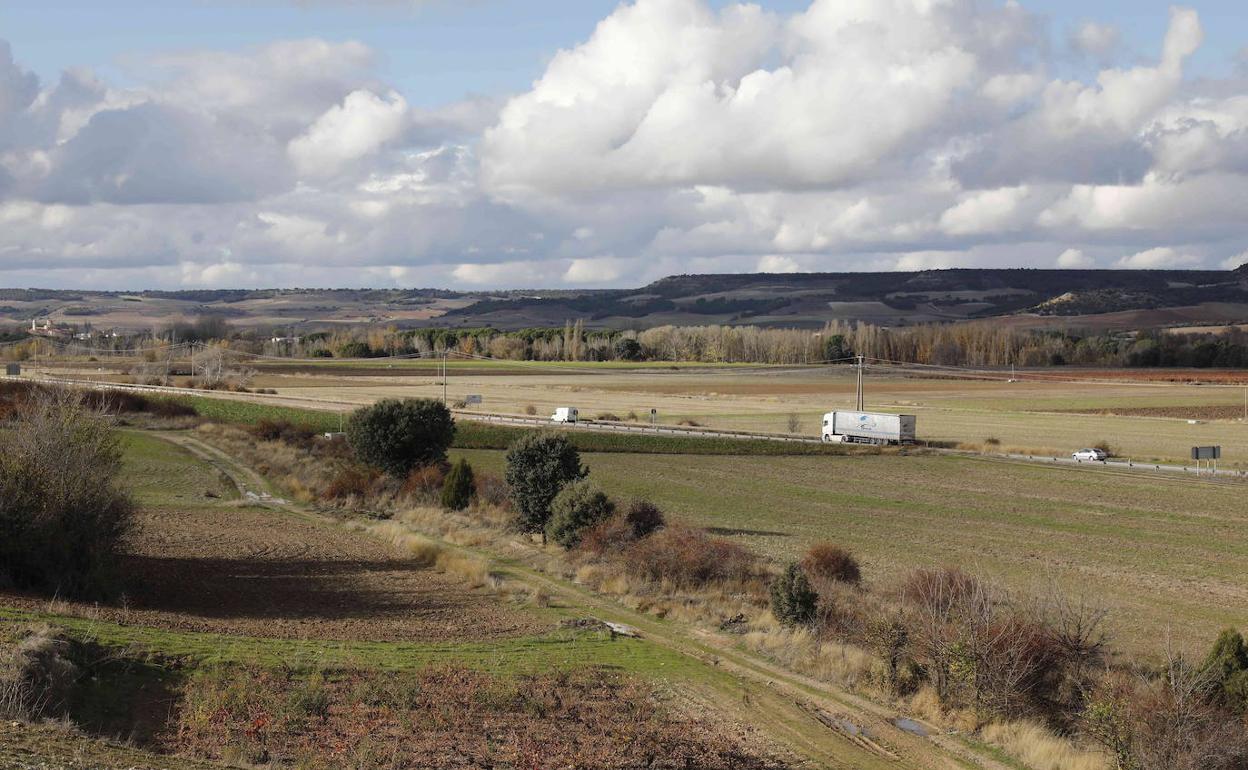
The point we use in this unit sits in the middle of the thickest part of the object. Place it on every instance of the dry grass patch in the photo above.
(1035, 746)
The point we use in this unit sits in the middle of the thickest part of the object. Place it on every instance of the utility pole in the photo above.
(859, 383)
(445, 352)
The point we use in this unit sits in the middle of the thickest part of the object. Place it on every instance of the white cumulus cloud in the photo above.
(679, 136)
(1159, 258)
(348, 131)
(1074, 259)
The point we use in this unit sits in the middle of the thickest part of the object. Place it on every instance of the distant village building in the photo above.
(47, 329)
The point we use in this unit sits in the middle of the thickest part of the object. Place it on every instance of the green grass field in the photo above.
(1165, 554)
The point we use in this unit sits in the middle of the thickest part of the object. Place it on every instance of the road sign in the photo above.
(1206, 453)
(470, 400)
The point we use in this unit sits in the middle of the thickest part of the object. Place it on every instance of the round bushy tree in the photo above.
(457, 488)
(579, 506)
(396, 436)
(793, 601)
(627, 349)
(539, 465)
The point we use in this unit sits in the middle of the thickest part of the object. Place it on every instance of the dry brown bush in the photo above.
(825, 562)
(424, 484)
(492, 490)
(63, 517)
(351, 482)
(637, 520)
(1165, 722)
(689, 558)
(285, 431)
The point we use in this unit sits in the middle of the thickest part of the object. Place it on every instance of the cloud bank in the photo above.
(854, 135)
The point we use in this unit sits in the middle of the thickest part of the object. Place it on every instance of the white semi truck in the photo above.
(868, 428)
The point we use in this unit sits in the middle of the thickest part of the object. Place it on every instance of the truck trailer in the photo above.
(868, 428)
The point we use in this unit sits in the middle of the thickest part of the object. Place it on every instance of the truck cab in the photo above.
(830, 436)
(565, 414)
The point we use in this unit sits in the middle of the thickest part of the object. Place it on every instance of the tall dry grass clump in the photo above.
(63, 514)
(35, 675)
(1038, 748)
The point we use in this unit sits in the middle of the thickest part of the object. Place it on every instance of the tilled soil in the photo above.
(1195, 412)
(266, 573)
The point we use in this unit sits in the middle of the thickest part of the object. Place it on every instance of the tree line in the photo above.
(972, 344)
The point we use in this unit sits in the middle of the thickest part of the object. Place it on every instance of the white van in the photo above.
(565, 414)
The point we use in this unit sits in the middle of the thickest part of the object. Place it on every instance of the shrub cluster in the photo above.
(690, 558)
(580, 506)
(62, 515)
(300, 436)
(14, 394)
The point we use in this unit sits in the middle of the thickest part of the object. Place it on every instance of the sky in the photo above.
(582, 143)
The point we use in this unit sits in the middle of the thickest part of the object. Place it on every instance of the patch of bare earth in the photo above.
(264, 573)
(1196, 412)
(453, 717)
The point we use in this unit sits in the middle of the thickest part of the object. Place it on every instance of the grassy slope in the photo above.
(159, 474)
(1135, 541)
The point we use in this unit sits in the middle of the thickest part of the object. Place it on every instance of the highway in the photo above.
(619, 427)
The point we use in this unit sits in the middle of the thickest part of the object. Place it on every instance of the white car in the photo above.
(1090, 454)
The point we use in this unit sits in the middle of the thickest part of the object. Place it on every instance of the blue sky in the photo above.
(482, 143)
(438, 51)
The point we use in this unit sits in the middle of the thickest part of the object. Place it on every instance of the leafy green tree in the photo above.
(539, 465)
(793, 601)
(627, 349)
(397, 436)
(355, 350)
(579, 506)
(836, 347)
(1227, 669)
(457, 487)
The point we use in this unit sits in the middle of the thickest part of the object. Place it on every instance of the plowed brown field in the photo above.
(261, 572)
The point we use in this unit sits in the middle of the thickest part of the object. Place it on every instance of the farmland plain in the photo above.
(1144, 415)
(1041, 413)
(1165, 555)
(1163, 552)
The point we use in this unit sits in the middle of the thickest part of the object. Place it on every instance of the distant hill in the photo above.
(1038, 298)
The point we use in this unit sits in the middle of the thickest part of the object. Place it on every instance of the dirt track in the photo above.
(267, 573)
